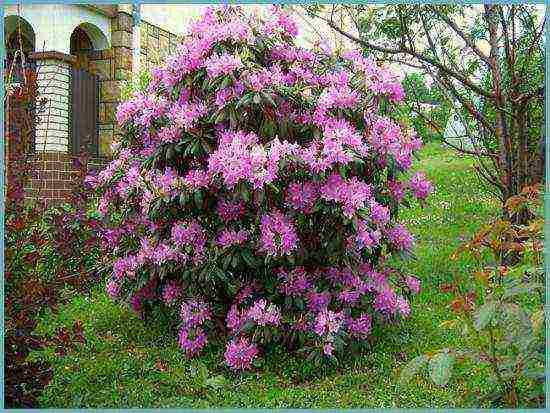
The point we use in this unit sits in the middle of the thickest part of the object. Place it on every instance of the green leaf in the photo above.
(216, 382)
(220, 117)
(411, 369)
(484, 315)
(227, 261)
(235, 261)
(198, 199)
(440, 367)
(248, 258)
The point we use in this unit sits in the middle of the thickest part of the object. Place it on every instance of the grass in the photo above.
(128, 363)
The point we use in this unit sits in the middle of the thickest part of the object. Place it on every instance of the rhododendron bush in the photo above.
(254, 193)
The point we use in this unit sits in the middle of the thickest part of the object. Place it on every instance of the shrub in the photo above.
(254, 193)
(500, 310)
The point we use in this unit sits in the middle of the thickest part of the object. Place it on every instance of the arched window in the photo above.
(20, 43)
(19, 71)
(81, 46)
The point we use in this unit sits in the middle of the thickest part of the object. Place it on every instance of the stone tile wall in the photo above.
(155, 44)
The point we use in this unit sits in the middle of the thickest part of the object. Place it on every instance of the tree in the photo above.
(488, 59)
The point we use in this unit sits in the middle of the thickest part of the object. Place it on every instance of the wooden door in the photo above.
(84, 112)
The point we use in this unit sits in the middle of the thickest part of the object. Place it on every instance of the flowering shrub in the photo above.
(255, 190)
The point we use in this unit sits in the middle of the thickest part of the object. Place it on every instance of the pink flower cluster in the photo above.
(278, 235)
(301, 196)
(240, 353)
(352, 195)
(240, 157)
(194, 314)
(225, 64)
(260, 313)
(229, 237)
(171, 292)
(420, 186)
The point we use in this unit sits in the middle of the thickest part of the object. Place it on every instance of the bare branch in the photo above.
(469, 42)
(405, 50)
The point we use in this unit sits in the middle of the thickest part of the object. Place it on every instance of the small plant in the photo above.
(500, 310)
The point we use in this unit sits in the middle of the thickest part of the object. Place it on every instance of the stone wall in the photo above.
(102, 63)
(155, 44)
(116, 64)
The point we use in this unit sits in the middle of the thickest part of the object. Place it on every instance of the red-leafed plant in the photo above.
(47, 249)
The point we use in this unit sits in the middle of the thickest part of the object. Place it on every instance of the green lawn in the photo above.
(128, 363)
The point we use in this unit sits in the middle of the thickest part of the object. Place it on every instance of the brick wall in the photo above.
(53, 176)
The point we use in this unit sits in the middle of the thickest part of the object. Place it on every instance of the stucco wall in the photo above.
(53, 24)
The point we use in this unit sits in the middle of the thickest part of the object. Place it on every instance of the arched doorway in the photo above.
(86, 40)
(81, 46)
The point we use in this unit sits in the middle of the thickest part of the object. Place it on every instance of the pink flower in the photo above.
(229, 211)
(403, 306)
(228, 237)
(240, 353)
(302, 196)
(318, 301)
(400, 238)
(386, 301)
(328, 323)
(185, 115)
(380, 214)
(413, 284)
(113, 289)
(360, 327)
(420, 186)
(294, 283)
(190, 234)
(278, 235)
(196, 179)
(222, 64)
(264, 314)
(397, 190)
(171, 291)
(366, 237)
(194, 313)
(352, 194)
(192, 341)
(328, 348)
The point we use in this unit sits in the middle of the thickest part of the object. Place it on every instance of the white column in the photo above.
(52, 129)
